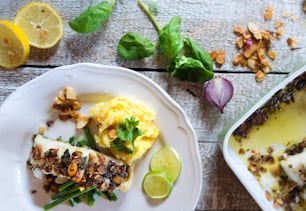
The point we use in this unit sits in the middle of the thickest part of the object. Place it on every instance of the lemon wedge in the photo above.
(41, 23)
(14, 46)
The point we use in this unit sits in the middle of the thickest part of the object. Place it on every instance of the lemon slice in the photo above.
(166, 159)
(157, 184)
(14, 46)
(41, 23)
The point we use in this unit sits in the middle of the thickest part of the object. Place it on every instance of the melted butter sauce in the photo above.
(284, 127)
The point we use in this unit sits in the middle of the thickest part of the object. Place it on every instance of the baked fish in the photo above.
(295, 167)
(84, 166)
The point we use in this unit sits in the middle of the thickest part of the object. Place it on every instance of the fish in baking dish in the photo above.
(84, 166)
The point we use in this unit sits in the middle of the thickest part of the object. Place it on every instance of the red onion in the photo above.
(218, 92)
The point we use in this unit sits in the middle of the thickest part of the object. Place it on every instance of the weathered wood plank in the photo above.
(209, 22)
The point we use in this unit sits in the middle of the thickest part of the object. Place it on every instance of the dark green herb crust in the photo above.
(261, 115)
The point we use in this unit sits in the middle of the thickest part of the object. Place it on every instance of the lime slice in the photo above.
(157, 184)
(166, 159)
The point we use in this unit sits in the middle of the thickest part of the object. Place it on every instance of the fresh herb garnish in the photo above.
(170, 39)
(190, 69)
(92, 18)
(127, 133)
(192, 63)
(81, 142)
(134, 46)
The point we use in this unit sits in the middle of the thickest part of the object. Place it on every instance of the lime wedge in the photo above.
(167, 160)
(157, 184)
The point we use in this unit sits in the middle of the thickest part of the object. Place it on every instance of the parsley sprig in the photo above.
(127, 133)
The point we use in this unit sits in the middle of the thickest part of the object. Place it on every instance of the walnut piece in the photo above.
(292, 42)
(269, 13)
(218, 56)
(68, 106)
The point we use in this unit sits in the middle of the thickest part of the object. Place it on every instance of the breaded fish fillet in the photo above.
(84, 166)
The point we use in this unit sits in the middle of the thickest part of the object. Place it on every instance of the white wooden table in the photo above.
(208, 22)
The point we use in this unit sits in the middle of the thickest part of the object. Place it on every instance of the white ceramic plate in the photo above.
(29, 107)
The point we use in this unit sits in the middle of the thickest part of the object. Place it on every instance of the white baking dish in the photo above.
(239, 167)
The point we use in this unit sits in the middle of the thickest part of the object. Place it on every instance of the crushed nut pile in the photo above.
(68, 106)
(254, 44)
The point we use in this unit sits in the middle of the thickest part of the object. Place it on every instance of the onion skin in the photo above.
(218, 92)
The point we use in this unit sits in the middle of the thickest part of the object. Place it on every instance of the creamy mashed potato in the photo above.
(111, 113)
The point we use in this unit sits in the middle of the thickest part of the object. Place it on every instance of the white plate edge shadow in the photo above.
(150, 84)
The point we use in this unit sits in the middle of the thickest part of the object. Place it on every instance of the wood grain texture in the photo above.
(208, 22)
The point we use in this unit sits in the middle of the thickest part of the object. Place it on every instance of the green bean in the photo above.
(69, 190)
(89, 197)
(65, 186)
(66, 198)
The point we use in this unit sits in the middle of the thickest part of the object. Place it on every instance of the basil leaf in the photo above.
(190, 69)
(134, 46)
(199, 53)
(92, 18)
(170, 39)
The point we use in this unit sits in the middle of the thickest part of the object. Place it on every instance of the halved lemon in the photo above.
(41, 23)
(14, 46)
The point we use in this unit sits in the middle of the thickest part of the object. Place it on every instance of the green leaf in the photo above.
(170, 39)
(92, 18)
(119, 145)
(134, 46)
(127, 133)
(189, 69)
(199, 53)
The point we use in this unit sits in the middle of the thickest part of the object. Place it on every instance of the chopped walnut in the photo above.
(292, 42)
(279, 24)
(272, 54)
(255, 31)
(286, 14)
(41, 130)
(239, 29)
(279, 32)
(268, 195)
(218, 56)
(294, 17)
(269, 13)
(68, 106)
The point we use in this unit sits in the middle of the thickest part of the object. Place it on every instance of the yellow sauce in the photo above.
(286, 126)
